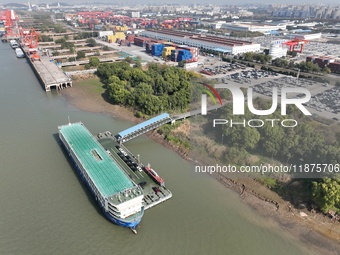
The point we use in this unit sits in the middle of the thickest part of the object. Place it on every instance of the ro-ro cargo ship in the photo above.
(120, 199)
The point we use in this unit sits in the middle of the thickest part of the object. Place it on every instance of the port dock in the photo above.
(154, 193)
(49, 74)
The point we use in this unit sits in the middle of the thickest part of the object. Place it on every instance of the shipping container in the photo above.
(157, 49)
(130, 38)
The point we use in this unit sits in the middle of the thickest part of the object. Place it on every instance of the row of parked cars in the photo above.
(328, 101)
(222, 69)
(132, 164)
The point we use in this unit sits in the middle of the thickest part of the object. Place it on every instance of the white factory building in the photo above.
(277, 49)
(198, 41)
(252, 27)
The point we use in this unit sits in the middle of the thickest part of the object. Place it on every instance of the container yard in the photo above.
(161, 48)
(221, 44)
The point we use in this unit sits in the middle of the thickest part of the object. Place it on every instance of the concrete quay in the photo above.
(50, 75)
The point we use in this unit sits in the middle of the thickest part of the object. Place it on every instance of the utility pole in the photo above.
(297, 77)
(219, 62)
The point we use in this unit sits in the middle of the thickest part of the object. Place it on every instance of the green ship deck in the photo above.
(102, 169)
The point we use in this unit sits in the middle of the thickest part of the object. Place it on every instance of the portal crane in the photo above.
(296, 44)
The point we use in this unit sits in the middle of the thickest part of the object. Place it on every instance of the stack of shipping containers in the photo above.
(141, 41)
(184, 55)
(157, 49)
(174, 54)
(167, 51)
(194, 51)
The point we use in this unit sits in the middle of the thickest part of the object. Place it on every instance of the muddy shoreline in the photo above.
(318, 231)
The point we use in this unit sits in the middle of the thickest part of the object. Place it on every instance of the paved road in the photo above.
(135, 51)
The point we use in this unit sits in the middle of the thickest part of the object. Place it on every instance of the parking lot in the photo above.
(328, 100)
(222, 69)
(249, 76)
(325, 100)
(322, 49)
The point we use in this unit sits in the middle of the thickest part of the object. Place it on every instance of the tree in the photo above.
(138, 64)
(149, 91)
(94, 61)
(91, 42)
(80, 54)
(326, 194)
(326, 70)
(181, 63)
(116, 90)
(271, 139)
(45, 38)
(128, 59)
(292, 53)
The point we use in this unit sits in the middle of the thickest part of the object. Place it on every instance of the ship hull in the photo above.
(118, 221)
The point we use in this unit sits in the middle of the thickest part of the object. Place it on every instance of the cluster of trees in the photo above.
(80, 55)
(85, 35)
(45, 38)
(65, 44)
(245, 34)
(93, 61)
(326, 194)
(258, 57)
(91, 42)
(304, 66)
(304, 144)
(158, 89)
(58, 28)
(262, 58)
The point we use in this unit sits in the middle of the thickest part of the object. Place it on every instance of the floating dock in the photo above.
(154, 193)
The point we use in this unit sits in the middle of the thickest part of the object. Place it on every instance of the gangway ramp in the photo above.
(143, 127)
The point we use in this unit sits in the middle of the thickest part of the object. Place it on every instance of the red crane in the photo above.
(296, 44)
(10, 24)
(31, 39)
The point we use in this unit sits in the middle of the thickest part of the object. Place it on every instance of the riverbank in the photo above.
(86, 95)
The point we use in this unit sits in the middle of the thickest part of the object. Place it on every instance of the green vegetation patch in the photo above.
(158, 89)
(93, 84)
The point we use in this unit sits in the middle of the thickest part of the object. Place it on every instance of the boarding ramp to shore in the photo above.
(143, 127)
(158, 121)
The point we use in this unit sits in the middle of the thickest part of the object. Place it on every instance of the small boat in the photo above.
(14, 44)
(19, 53)
(152, 173)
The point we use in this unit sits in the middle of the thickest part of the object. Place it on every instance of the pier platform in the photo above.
(49, 74)
(154, 193)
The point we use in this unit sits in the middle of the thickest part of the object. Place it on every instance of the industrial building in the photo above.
(323, 61)
(308, 37)
(219, 44)
(277, 49)
(252, 27)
